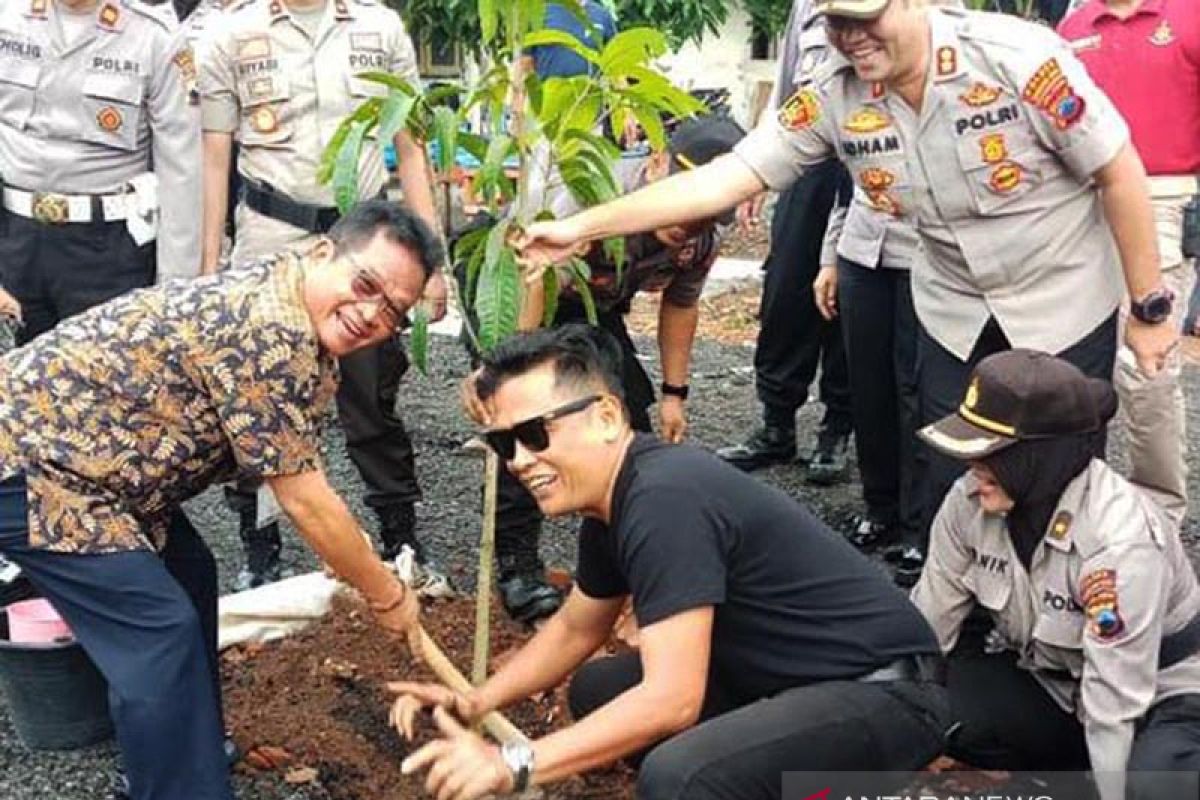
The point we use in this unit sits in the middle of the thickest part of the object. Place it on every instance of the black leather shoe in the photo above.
(909, 562)
(528, 597)
(869, 532)
(830, 462)
(768, 445)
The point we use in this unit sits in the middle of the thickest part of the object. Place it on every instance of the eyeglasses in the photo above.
(366, 285)
(532, 433)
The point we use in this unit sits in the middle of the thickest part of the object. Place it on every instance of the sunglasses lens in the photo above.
(533, 435)
(503, 442)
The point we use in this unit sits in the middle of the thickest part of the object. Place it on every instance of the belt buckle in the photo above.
(51, 208)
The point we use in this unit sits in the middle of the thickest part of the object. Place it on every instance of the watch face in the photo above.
(1156, 307)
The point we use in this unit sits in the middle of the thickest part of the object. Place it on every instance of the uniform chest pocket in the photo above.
(990, 588)
(1000, 166)
(1060, 629)
(266, 110)
(112, 110)
(18, 83)
(883, 183)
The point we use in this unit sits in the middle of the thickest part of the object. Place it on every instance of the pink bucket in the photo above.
(35, 622)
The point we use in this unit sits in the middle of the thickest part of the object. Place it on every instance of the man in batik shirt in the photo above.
(117, 415)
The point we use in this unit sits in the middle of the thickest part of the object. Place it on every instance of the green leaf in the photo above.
(652, 124)
(389, 80)
(470, 250)
(487, 20)
(550, 290)
(445, 133)
(368, 113)
(394, 115)
(345, 169)
(419, 338)
(631, 48)
(547, 37)
(497, 299)
(580, 272)
(614, 251)
(490, 180)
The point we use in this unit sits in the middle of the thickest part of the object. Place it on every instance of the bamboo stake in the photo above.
(483, 586)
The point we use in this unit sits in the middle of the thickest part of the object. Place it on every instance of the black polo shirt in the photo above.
(794, 602)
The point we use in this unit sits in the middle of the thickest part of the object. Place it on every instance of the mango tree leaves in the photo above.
(418, 341)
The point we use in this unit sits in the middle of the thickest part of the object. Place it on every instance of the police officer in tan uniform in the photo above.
(92, 97)
(279, 77)
(1096, 654)
(986, 134)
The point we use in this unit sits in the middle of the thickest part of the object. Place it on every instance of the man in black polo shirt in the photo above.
(767, 642)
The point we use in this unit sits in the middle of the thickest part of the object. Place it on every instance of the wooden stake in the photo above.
(483, 586)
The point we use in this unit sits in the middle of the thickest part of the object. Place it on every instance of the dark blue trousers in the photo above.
(149, 624)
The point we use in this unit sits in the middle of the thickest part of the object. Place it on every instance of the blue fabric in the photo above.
(139, 626)
(555, 61)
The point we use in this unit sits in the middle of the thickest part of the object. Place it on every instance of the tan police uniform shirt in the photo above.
(283, 94)
(1108, 547)
(86, 118)
(994, 173)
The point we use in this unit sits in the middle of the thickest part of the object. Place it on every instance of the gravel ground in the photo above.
(723, 409)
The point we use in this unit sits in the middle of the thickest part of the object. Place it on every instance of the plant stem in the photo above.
(483, 587)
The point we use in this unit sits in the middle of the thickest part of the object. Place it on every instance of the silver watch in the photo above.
(518, 757)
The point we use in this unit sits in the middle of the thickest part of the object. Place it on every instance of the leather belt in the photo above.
(268, 201)
(56, 208)
(1162, 186)
(928, 668)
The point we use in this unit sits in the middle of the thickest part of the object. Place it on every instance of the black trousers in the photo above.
(943, 377)
(57, 271)
(879, 327)
(1005, 720)
(149, 624)
(793, 338)
(376, 439)
(517, 513)
(739, 751)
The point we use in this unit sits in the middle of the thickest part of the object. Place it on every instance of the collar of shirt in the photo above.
(1096, 10)
(279, 10)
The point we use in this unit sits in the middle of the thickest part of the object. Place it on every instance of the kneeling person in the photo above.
(767, 642)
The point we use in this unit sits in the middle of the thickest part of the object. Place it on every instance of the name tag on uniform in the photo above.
(1086, 43)
(253, 47)
(366, 41)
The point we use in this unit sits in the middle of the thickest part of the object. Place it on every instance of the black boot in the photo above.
(830, 462)
(397, 528)
(262, 547)
(526, 595)
(773, 443)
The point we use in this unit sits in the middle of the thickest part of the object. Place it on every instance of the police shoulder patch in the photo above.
(1049, 91)
(1098, 590)
(800, 111)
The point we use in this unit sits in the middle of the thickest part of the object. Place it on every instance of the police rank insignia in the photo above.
(1099, 592)
(993, 148)
(1006, 177)
(1163, 35)
(867, 120)
(264, 120)
(980, 95)
(38, 8)
(185, 62)
(109, 15)
(109, 119)
(947, 61)
(1060, 526)
(1050, 91)
(800, 111)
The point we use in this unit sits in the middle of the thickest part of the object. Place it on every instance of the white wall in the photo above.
(722, 62)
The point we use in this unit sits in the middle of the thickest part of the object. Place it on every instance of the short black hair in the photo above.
(359, 225)
(582, 355)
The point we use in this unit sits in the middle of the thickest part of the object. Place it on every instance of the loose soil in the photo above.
(313, 707)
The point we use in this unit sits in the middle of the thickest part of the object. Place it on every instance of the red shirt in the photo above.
(1149, 64)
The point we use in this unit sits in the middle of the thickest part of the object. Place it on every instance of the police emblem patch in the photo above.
(1006, 177)
(867, 120)
(993, 148)
(1163, 35)
(800, 111)
(947, 61)
(1099, 593)
(264, 120)
(980, 95)
(185, 62)
(109, 119)
(873, 179)
(1050, 91)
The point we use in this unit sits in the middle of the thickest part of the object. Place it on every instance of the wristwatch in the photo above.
(1154, 307)
(679, 390)
(518, 757)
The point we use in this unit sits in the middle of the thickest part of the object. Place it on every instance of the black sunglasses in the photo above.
(532, 433)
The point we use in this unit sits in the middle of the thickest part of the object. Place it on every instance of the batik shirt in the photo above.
(122, 412)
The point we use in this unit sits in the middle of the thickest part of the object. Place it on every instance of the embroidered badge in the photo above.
(867, 120)
(1006, 177)
(1163, 35)
(1099, 592)
(993, 148)
(980, 95)
(185, 62)
(877, 182)
(1061, 525)
(109, 119)
(253, 47)
(109, 15)
(264, 120)
(800, 111)
(947, 61)
(1050, 91)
